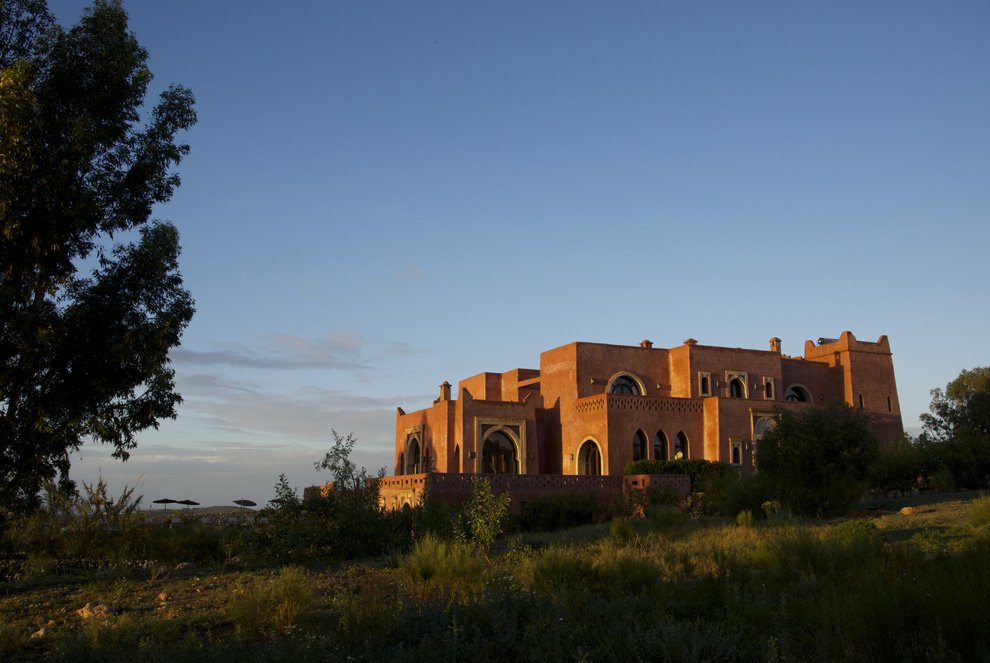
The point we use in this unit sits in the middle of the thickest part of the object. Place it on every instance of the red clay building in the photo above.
(592, 408)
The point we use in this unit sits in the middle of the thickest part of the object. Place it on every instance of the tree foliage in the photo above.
(83, 355)
(956, 435)
(817, 460)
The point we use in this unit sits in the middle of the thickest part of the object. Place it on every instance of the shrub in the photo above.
(744, 518)
(273, 606)
(666, 519)
(481, 519)
(621, 531)
(450, 567)
(979, 513)
(561, 511)
(897, 467)
(817, 460)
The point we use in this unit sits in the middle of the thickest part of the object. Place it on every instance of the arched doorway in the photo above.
(590, 459)
(413, 457)
(499, 454)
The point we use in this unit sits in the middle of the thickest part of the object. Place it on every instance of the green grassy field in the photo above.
(888, 587)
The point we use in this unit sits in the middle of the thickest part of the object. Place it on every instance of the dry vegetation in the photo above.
(891, 586)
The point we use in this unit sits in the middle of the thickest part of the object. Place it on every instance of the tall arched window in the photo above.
(457, 457)
(639, 445)
(401, 467)
(499, 455)
(660, 446)
(681, 446)
(737, 388)
(589, 459)
(413, 464)
(797, 393)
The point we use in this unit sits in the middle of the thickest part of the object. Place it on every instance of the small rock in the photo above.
(164, 596)
(95, 610)
(183, 566)
(41, 632)
(906, 511)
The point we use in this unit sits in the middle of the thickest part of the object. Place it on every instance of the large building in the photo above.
(592, 408)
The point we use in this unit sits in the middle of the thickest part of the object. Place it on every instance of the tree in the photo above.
(956, 434)
(82, 356)
(962, 409)
(817, 460)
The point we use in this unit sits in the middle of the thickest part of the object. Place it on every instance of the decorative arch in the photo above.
(624, 383)
(500, 452)
(639, 446)
(798, 393)
(737, 387)
(660, 446)
(414, 464)
(681, 446)
(590, 458)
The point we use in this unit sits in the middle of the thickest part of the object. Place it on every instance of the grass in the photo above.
(889, 588)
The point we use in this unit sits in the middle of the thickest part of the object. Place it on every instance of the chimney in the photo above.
(445, 391)
(690, 341)
(775, 345)
(646, 343)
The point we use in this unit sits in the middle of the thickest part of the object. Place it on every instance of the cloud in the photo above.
(410, 273)
(338, 350)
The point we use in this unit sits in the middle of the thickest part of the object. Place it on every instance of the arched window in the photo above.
(660, 446)
(681, 446)
(737, 388)
(413, 464)
(768, 389)
(457, 457)
(798, 394)
(705, 386)
(736, 454)
(761, 425)
(401, 467)
(499, 455)
(639, 445)
(625, 384)
(589, 459)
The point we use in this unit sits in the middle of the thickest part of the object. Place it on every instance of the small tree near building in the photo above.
(817, 461)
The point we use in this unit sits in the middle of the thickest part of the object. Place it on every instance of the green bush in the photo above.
(665, 518)
(560, 511)
(481, 520)
(449, 567)
(897, 467)
(744, 518)
(818, 460)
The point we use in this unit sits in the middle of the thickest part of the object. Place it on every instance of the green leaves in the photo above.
(82, 357)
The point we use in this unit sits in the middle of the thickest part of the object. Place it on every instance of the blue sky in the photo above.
(382, 196)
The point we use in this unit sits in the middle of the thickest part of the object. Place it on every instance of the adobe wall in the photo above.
(473, 415)
(396, 492)
(433, 426)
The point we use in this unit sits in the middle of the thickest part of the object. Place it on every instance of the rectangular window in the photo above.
(704, 384)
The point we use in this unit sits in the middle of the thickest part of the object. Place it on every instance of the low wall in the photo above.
(398, 491)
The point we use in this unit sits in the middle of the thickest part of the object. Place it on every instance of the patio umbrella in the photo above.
(188, 503)
(166, 501)
(243, 503)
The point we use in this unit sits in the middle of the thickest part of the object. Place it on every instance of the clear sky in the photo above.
(385, 195)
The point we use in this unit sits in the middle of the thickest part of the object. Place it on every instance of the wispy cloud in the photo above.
(339, 350)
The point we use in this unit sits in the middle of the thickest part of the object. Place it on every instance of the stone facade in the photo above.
(591, 408)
